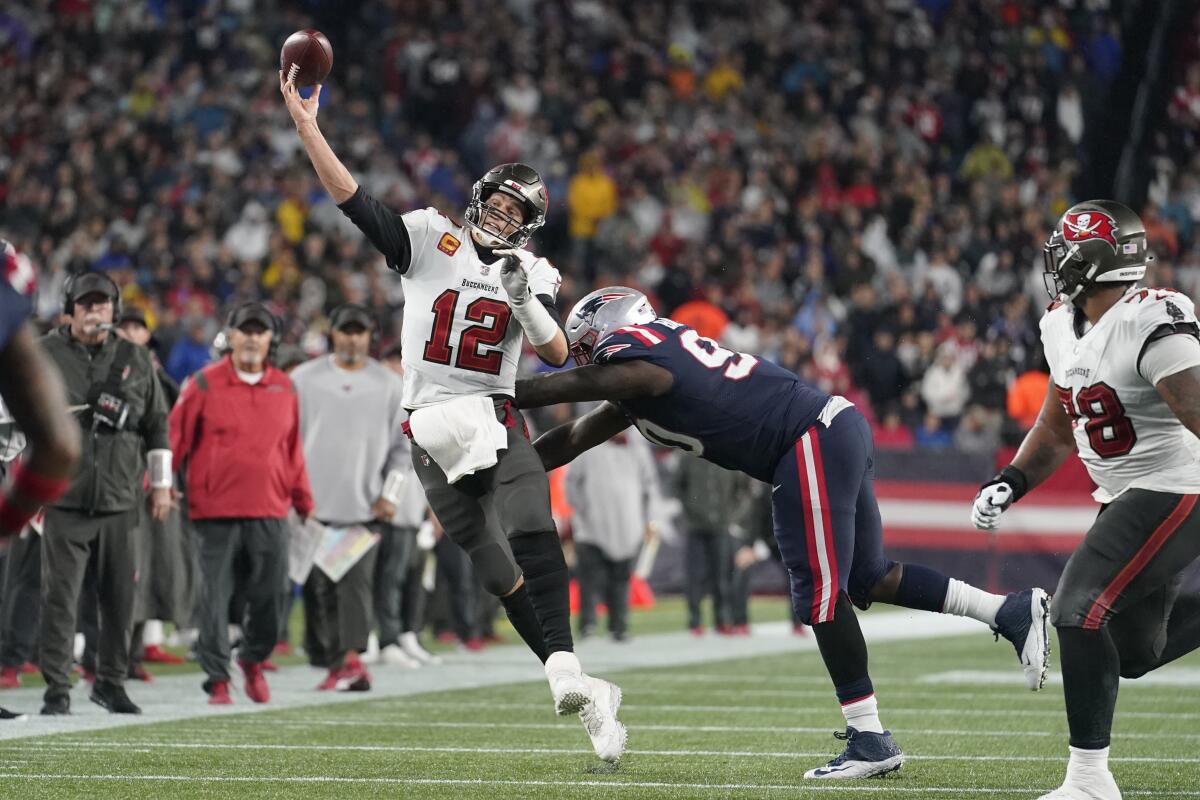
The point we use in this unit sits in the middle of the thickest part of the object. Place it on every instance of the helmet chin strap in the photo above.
(485, 239)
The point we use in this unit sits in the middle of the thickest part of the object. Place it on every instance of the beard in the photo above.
(351, 357)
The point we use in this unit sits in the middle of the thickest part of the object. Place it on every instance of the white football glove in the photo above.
(993, 499)
(995, 496)
(514, 273)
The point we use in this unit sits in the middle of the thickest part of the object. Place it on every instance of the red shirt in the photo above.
(241, 444)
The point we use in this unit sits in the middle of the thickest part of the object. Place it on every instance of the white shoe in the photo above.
(1093, 786)
(599, 718)
(412, 648)
(571, 692)
(394, 656)
(372, 654)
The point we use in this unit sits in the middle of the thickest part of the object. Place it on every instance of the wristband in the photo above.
(392, 486)
(159, 462)
(1015, 478)
(540, 327)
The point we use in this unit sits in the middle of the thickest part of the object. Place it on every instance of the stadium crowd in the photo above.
(859, 190)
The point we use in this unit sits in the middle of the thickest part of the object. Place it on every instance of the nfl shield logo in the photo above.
(425, 460)
(484, 269)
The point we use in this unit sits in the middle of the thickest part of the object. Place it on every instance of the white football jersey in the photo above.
(1126, 434)
(459, 336)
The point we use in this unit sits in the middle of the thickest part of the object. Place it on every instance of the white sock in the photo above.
(863, 715)
(964, 600)
(1085, 763)
(152, 632)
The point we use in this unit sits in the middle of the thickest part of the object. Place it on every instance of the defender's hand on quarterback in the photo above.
(514, 274)
(996, 496)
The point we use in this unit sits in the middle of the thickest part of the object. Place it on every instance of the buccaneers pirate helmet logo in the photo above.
(1085, 226)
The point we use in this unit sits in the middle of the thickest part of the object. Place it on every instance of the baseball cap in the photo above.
(133, 314)
(351, 314)
(252, 312)
(92, 283)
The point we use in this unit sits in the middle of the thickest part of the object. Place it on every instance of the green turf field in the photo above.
(726, 728)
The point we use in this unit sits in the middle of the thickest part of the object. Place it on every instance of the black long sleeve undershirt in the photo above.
(382, 227)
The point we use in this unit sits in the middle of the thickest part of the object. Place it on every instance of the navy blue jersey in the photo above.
(733, 409)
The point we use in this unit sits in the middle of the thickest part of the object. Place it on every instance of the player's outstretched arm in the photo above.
(334, 176)
(560, 445)
(1181, 392)
(1043, 450)
(1048, 442)
(625, 380)
(33, 392)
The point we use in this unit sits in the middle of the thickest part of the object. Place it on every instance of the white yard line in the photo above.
(249, 722)
(179, 697)
(159, 744)
(856, 787)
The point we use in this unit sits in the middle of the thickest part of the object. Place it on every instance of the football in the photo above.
(306, 57)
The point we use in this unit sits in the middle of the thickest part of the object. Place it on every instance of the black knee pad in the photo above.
(538, 554)
(1069, 608)
(494, 567)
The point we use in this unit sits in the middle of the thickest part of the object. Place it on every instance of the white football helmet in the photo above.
(602, 312)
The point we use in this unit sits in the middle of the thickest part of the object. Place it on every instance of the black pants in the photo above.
(391, 570)
(456, 584)
(21, 603)
(518, 492)
(262, 544)
(1114, 604)
(110, 546)
(708, 569)
(338, 616)
(603, 579)
(739, 593)
(412, 606)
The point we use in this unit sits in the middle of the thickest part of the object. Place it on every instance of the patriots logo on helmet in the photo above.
(1084, 226)
(588, 312)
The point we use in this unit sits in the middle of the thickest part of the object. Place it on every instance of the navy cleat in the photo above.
(867, 755)
(1022, 620)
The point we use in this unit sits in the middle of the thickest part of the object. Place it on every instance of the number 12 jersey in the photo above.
(1126, 434)
(458, 336)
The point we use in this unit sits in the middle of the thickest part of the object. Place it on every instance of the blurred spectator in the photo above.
(1026, 396)
(710, 497)
(399, 596)
(191, 352)
(892, 433)
(944, 387)
(613, 490)
(933, 434)
(978, 431)
(591, 198)
(350, 422)
(236, 432)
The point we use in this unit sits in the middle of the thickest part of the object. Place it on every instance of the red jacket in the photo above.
(241, 445)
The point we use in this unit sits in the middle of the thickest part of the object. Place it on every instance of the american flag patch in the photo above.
(1130, 247)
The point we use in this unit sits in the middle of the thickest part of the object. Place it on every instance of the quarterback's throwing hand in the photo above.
(514, 274)
(993, 499)
(302, 111)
